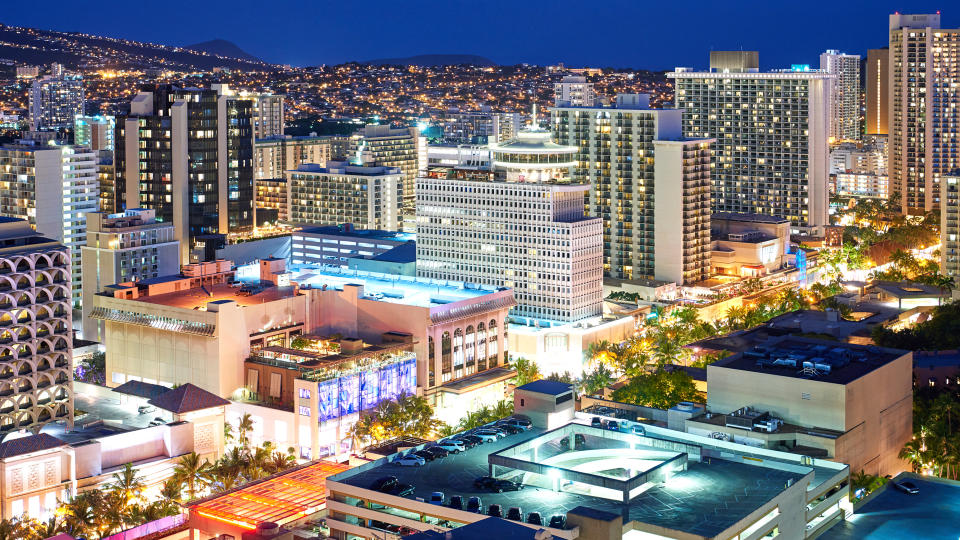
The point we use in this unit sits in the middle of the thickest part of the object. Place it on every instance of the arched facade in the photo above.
(36, 371)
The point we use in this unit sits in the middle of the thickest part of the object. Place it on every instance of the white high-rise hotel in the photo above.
(520, 225)
(771, 154)
(845, 99)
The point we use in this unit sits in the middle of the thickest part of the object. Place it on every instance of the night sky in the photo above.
(652, 34)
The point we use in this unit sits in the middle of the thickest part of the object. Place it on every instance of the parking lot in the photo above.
(892, 515)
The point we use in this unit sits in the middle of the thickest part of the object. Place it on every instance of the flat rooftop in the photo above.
(747, 217)
(705, 499)
(372, 234)
(815, 359)
(396, 289)
(198, 298)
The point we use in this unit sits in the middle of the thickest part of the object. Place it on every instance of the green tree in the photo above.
(127, 485)
(244, 428)
(661, 389)
(593, 382)
(527, 371)
(192, 472)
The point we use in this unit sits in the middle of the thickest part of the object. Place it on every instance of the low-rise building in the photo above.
(366, 197)
(824, 399)
(748, 245)
(339, 245)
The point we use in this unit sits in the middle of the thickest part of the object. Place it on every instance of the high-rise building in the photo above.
(924, 100)
(771, 128)
(574, 91)
(273, 156)
(36, 354)
(52, 187)
(878, 91)
(120, 248)
(634, 158)
(268, 116)
(844, 95)
(860, 170)
(365, 197)
(98, 134)
(187, 153)
(272, 205)
(479, 127)
(54, 101)
(950, 225)
(520, 225)
(385, 146)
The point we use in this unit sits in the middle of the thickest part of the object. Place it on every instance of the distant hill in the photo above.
(77, 50)
(428, 60)
(222, 47)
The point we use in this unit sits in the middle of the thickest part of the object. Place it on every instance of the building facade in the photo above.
(520, 225)
(366, 197)
(187, 153)
(334, 245)
(273, 156)
(877, 97)
(36, 342)
(98, 134)
(385, 146)
(54, 101)
(479, 127)
(845, 94)
(574, 91)
(129, 246)
(772, 136)
(924, 97)
(627, 154)
(950, 225)
(52, 188)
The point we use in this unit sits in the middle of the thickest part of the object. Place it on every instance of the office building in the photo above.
(385, 146)
(479, 127)
(824, 399)
(460, 156)
(268, 115)
(631, 156)
(36, 358)
(924, 99)
(366, 197)
(273, 156)
(860, 170)
(878, 91)
(128, 246)
(573, 91)
(950, 225)
(715, 489)
(53, 187)
(520, 225)
(772, 135)
(187, 153)
(54, 101)
(844, 95)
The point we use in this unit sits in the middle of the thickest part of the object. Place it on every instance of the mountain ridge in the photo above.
(223, 47)
(428, 60)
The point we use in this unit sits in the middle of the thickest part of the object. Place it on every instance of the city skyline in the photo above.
(635, 37)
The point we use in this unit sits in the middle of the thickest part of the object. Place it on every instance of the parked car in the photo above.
(558, 521)
(427, 456)
(907, 487)
(402, 490)
(494, 511)
(510, 428)
(596, 422)
(497, 434)
(436, 452)
(515, 513)
(519, 422)
(613, 425)
(410, 460)
(475, 505)
(436, 498)
(637, 429)
(456, 502)
(451, 447)
(145, 409)
(154, 423)
(494, 426)
(486, 437)
(484, 482)
(534, 518)
(505, 485)
(384, 484)
(469, 441)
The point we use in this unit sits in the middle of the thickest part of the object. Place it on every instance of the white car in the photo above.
(410, 461)
(485, 437)
(450, 447)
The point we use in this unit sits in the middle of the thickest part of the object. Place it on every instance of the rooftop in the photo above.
(806, 358)
(281, 498)
(187, 398)
(543, 386)
(344, 168)
(906, 289)
(28, 444)
(198, 298)
(348, 230)
(396, 289)
(485, 529)
(747, 218)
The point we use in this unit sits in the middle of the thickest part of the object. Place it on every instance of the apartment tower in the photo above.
(845, 94)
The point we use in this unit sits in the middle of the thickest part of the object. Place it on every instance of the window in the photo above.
(804, 395)
(275, 379)
(304, 411)
(304, 393)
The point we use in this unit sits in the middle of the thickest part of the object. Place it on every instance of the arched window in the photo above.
(446, 359)
(431, 357)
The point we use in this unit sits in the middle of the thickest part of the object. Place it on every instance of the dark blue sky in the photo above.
(654, 34)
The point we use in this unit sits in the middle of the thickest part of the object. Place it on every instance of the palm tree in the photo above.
(47, 529)
(280, 462)
(192, 472)
(227, 433)
(15, 528)
(244, 427)
(597, 350)
(80, 514)
(527, 371)
(127, 485)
